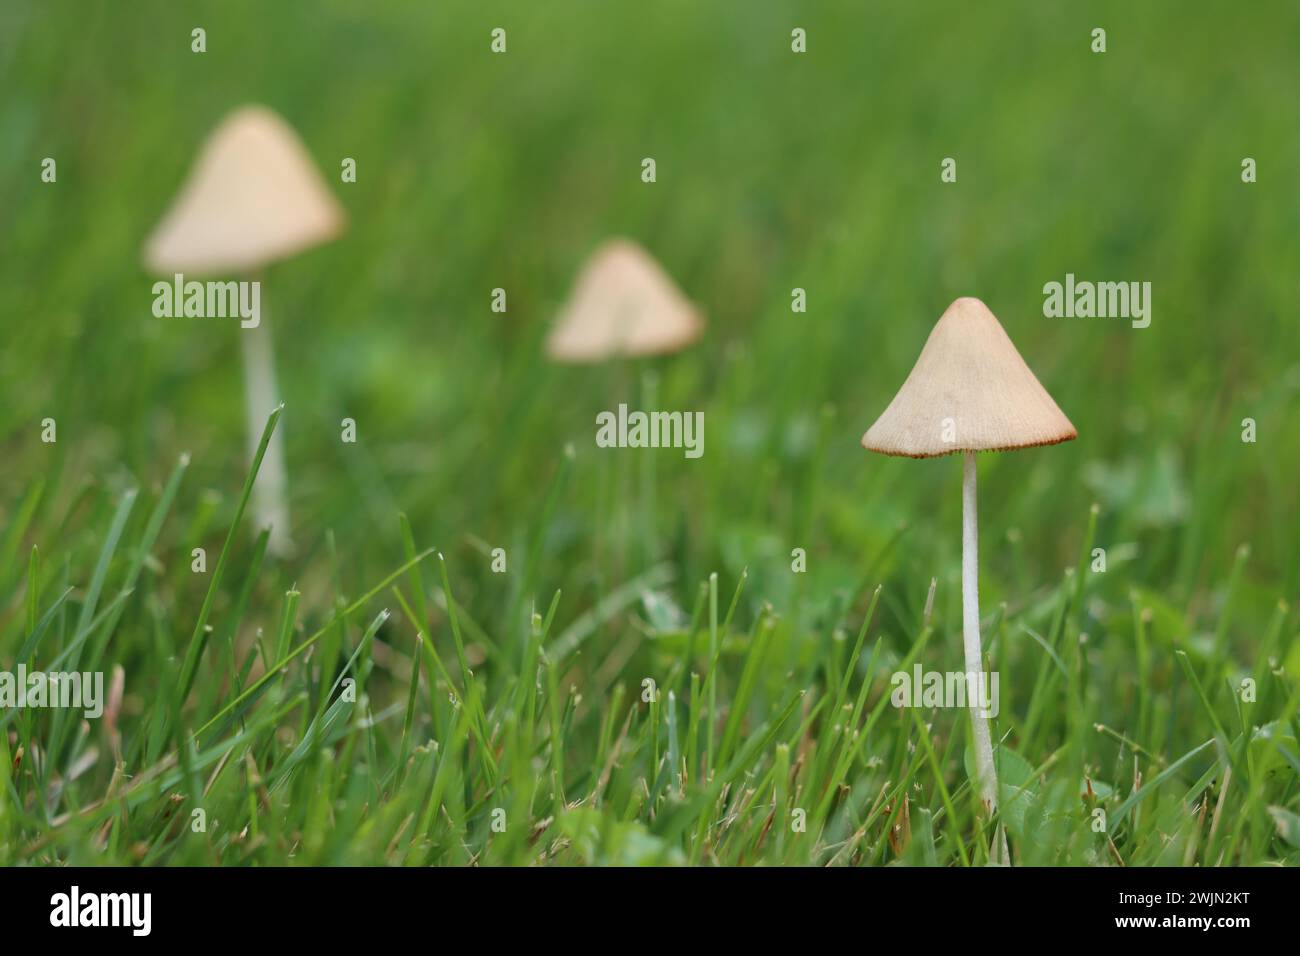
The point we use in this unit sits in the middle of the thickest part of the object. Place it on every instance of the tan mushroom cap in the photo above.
(969, 391)
(253, 197)
(623, 304)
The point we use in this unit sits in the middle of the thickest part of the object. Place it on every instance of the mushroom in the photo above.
(969, 391)
(623, 305)
(252, 198)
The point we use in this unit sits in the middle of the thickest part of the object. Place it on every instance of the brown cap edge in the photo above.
(952, 451)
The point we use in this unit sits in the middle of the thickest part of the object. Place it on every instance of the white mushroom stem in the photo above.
(262, 396)
(970, 607)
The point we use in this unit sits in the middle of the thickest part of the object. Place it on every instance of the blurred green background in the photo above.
(775, 171)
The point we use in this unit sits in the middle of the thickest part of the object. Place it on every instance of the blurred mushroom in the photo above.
(251, 199)
(969, 391)
(623, 305)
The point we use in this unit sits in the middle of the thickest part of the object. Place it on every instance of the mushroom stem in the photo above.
(970, 606)
(262, 396)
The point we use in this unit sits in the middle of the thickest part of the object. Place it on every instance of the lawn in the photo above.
(670, 659)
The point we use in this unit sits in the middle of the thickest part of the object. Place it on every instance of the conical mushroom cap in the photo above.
(253, 197)
(969, 391)
(623, 304)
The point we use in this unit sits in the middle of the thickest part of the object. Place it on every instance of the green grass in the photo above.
(520, 697)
